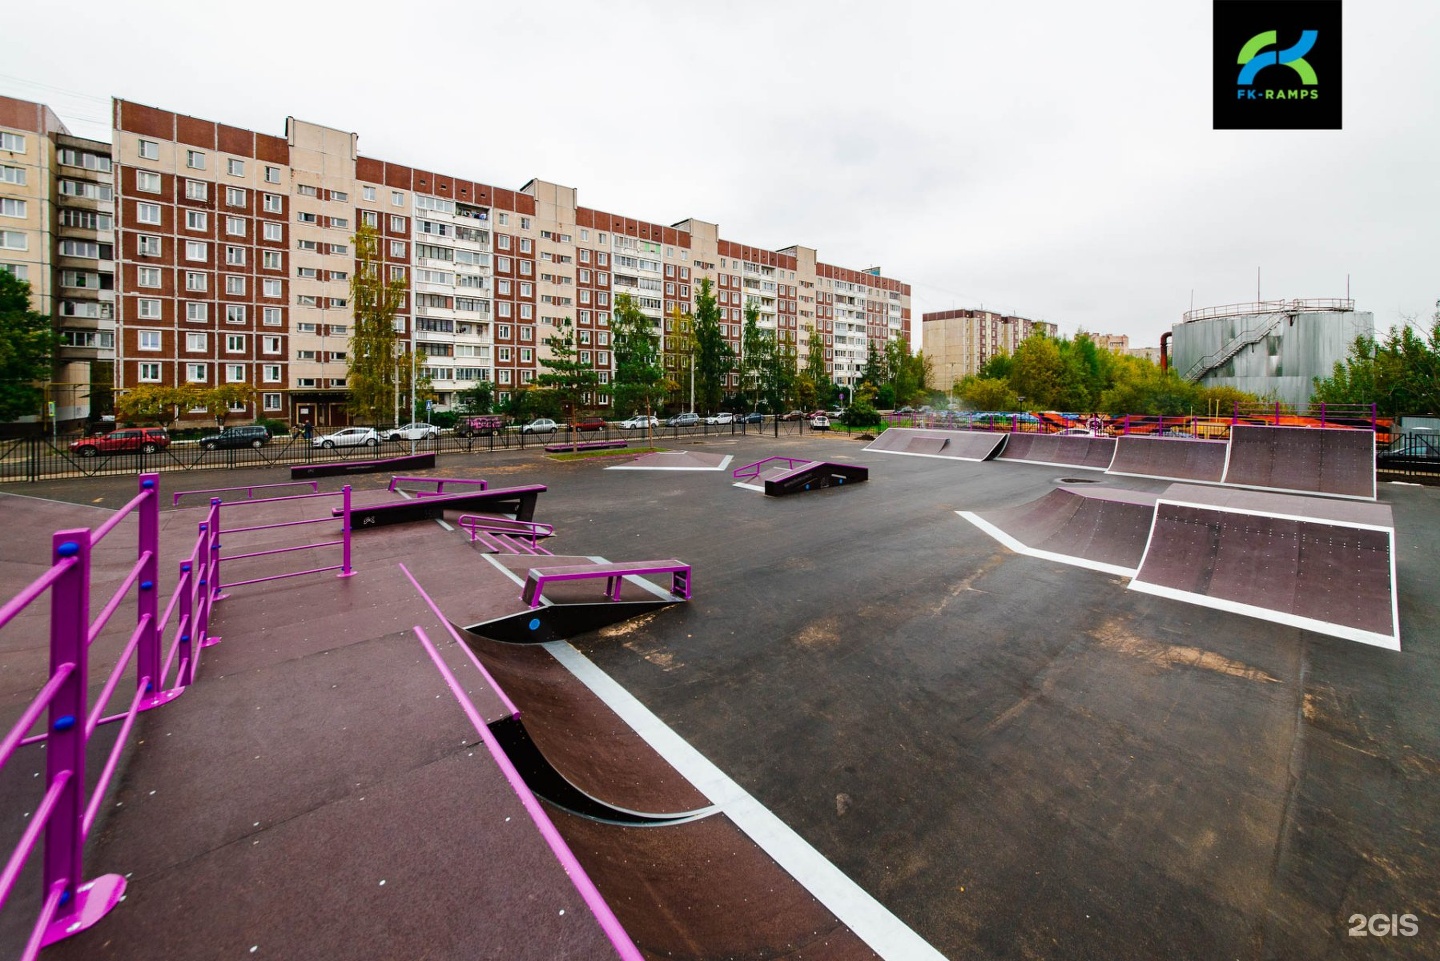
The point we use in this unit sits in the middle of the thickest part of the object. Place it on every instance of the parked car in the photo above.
(481, 425)
(252, 435)
(129, 440)
(640, 422)
(754, 417)
(793, 415)
(415, 431)
(348, 437)
(589, 423)
(724, 417)
(819, 422)
(1410, 451)
(1075, 432)
(540, 425)
(689, 419)
(906, 410)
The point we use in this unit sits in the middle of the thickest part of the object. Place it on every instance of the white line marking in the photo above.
(886, 934)
(1044, 463)
(750, 487)
(1250, 512)
(911, 453)
(1020, 548)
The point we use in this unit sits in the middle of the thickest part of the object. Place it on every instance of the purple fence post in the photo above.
(1014, 418)
(1126, 429)
(1277, 413)
(65, 747)
(1373, 410)
(186, 624)
(1235, 414)
(1322, 413)
(147, 602)
(345, 569)
(214, 561)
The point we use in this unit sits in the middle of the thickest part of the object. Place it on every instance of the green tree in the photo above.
(479, 399)
(757, 359)
(568, 376)
(678, 355)
(780, 385)
(27, 344)
(875, 372)
(1037, 373)
(987, 393)
(1400, 375)
(155, 402)
(714, 358)
(817, 372)
(640, 382)
(218, 400)
(372, 366)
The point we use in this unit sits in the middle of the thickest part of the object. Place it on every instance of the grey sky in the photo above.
(1047, 158)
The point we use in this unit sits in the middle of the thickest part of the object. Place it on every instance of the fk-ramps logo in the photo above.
(1277, 65)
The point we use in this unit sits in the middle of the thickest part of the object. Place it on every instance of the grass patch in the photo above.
(617, 452)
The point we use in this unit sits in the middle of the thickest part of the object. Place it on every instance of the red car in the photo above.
(130, 440)
(589, 423)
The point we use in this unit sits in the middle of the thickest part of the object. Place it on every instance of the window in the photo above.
(270, 260)
(196, 250)
(196, 342)
(397, 198)
(397, 248)
(339, 302)
(396, 272)
(149, 340)
(342, 250)
(195, 373)
(527, 311)
(235, 168)
(150, 150)
(309, 273)
(526, 355)
(235, 197)
(196, 220)
(147, 213)
(271, 288)
(194, 280)
(147, 277)
(502, 264)
(525, 245)
(147, 308)
(197, 190)
(235, 285)
(340, 223)
(235, 256)
(502, 287)
(397, 224)
(272, 317)
(270, 373)
(370, 219)
(197, 313)
(502, 242)
(270, 345)
(272, 175)
(195, 160)
(274, 231)
(147, 182)
(235, 373)
(12, 175)
(305, 217)
(368, 193)
(10, 207)
(504, 309)
(502, 354)
(150, 373)
(526, 268)
(273, 203)
(271, 401)
(524, 223)
(235, 226)
(148, 245)
(234, 343)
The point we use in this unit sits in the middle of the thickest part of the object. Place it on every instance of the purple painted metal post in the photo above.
(1277, 413)
(214, 564)
(1373, 410)
(147, 599)
(1235, 414)
(1126, 429)
(345, 569)
(1014, 419)
(65, 747)
(185, 649)
(1322, 413)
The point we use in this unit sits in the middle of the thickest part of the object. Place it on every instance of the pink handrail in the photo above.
(249, 491)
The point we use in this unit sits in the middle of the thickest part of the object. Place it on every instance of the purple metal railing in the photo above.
(757, 468)
(249, 491)
(344, 567)
(534, 530)
(64, 815)
(439, 483)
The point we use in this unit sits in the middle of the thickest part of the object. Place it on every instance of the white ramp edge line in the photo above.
(911, 453)
(1275, 515)
(871, 921)
(749, 487)
(1304, 493)
(1002, 459)
(724, 463)
(1389, 642)
(1164, 477)
(1020, 548)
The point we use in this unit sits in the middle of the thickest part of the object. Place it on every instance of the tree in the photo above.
(1037, 372)
(156, 402)
(1400, 375)
(875, 373)
(218, 400)
(479, 399)
(816, 370)
(714, 358)
(568, 376)
(780, 385)
(640, 382)
(757, 357)
(27, 344)
(372, 367)
(678, 353)
(987, 393)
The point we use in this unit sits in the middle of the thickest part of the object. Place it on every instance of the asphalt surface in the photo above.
(1019, 758)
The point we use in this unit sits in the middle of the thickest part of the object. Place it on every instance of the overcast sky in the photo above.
(1043, 157)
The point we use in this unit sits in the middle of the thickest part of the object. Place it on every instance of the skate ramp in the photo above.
(1102, 529)
(1170, 459)
(948, 444)
(1309, 460)
(1060, 450)
(1319, 565)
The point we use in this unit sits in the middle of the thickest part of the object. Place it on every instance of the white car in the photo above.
(540, 425)
(819, 422)
(724, 417)
(639, 422)
(416, 431)
(349, 437)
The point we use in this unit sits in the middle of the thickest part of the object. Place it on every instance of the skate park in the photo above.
(1002, 755)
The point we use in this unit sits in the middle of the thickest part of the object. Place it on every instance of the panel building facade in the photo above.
(959, 342)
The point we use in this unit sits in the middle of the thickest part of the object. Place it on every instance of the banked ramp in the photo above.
(1059, 450)
(1169, 458)
(1098, 528)
(1303, 460)
(971, 445)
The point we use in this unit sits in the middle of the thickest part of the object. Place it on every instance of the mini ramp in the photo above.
(946, 444)
(779, 476)
(1169, 458)
(1306, 562)
(677, 460)
(1097, 528)
(1059, 450)
(1303, 460)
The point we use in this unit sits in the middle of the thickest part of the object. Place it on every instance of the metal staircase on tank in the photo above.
(1251, 335)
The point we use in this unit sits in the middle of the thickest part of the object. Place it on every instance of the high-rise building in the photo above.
(57, 232)
(959, 342)
(235, 259)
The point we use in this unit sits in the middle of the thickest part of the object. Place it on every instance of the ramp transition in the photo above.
(1098, 528)
(1305, 460)
(1170, 458)
(1300, 561)
(1059, 450)
(969, 445)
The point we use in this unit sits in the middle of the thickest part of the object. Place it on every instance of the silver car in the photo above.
(416, 431)
(349, 437)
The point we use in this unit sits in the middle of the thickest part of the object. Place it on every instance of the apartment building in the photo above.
(235, 253)
(1115, 343)
(57, 232)
(959, 342)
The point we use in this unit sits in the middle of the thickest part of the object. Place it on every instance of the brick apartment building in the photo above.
(232, 254)
(959, 342)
